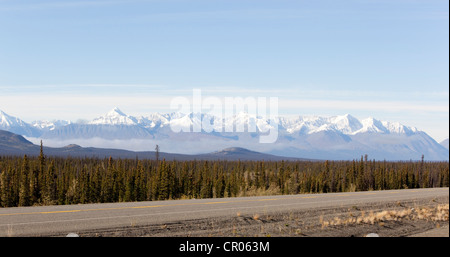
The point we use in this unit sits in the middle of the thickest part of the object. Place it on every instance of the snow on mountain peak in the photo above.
(372, 125)
(16, 125)
(4, 119)
(9, 121)
(114, 117)
(347, 124)
(311, 136)
(396, 127)
(115, 112)
(49, 125)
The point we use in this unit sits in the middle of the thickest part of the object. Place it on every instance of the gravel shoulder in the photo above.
(437, 232)
(421, 217)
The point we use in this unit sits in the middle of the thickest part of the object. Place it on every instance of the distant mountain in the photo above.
(115, 117)
(15, 145)
(45, 126)
(445, 143)
(239, 153)
(17, 125)
(313, 137)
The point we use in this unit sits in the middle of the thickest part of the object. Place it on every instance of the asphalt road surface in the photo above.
(64, 219)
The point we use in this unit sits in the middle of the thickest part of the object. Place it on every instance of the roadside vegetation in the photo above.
(434, 213)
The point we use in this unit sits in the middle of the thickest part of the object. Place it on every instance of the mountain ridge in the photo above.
(312, 137)
(346, 124)
(13, 144)
(445, 143)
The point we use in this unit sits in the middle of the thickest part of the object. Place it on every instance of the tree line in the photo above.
(42, 180)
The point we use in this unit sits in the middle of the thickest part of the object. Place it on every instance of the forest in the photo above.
(44, 180)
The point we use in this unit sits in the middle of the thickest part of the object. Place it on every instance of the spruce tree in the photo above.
(163, 181)
(219, 185)
(6, 188)
(50, 184)
(157, 153)
(24, 193)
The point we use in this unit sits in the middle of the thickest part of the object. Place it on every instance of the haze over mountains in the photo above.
(312, 137)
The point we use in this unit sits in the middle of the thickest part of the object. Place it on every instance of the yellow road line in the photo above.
(143, 207)
(43, 212)
(169, 205)
(335, 195)
(214, 202)
(130, 207)
(50, 212)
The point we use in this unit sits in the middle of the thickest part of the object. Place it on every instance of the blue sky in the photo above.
(78, 59)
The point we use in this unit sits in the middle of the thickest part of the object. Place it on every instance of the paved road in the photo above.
(61, 220)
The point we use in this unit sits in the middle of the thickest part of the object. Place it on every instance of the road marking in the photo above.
(181, 212)
(143, 207)
(262, 200)
(50, 212)
(214, 202)
(130, 207)
(152, 206)
(335, 195)
(197, 203)
(23, 213)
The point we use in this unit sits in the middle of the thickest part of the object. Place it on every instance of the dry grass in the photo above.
(253, 191)
(438, 213)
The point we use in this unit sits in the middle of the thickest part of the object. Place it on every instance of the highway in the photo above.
(63, 219)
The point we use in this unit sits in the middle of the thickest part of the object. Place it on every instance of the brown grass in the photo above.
(438, 213)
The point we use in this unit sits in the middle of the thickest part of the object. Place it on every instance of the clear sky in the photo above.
(78, 59)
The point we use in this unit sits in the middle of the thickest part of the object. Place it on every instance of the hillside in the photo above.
(13, 144)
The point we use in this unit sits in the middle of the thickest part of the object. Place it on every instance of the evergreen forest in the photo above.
(44, 180)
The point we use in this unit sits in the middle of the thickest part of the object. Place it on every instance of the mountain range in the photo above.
(312, 137)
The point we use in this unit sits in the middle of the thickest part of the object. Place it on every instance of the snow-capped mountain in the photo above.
(16, 125)
(345, 124)
(45, 125)
(115, 117)
(444, 143)
(318, 137)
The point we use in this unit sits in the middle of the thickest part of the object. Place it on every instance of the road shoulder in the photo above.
(437, 232)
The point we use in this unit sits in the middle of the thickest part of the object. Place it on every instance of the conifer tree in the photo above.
(50, 184)
(24, 193)
(6, 193)
(163, 181)
(129, 189)
(219, 185)
(157, 153)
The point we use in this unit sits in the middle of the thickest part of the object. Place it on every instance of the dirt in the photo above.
(317, 222)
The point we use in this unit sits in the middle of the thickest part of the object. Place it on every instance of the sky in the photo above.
(78, 59)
